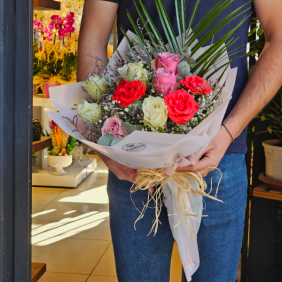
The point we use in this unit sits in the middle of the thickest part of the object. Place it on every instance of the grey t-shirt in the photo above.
(239, 146)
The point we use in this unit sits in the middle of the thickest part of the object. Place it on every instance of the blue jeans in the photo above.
(142, 258)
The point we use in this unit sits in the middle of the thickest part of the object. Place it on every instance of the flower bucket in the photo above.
(59, 162)
(273, 159)
(45, 87)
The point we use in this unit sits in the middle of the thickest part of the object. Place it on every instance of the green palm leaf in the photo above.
(213, 55)
(152, 25)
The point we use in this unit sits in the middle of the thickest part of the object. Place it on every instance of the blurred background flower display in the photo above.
(55, 46)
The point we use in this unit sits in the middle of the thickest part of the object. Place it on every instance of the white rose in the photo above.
(89, 111)
(134, 71)
(96, 86)
(155, 112)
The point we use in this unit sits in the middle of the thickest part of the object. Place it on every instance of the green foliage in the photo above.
(70, 145)
(46, 134)
(50, 148)
(72, 141)
(272, 114)
(69, 149)
(257, 46)
(129, 128)
(106, 140)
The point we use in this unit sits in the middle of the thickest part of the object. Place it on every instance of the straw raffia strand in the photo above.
(189, 184)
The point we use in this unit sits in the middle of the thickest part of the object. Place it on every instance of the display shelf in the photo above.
(74, 175)
(263, 191)
(46, 5)
(40, 101)
(43, 143)
(37, 271)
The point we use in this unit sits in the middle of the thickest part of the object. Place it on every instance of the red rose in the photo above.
(181, 106)
(196, 85)
(129, 91)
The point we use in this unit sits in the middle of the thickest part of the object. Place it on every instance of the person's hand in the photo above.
(212, 155)
(122, 172)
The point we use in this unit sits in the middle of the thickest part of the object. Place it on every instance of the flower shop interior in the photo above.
(71, 239)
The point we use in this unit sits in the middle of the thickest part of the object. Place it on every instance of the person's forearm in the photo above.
(87, 48)
(265, 81)
(96, 27)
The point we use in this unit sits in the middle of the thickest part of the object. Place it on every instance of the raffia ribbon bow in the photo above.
(189, 183)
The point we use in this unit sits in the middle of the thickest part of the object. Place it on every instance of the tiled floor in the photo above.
(71, 234)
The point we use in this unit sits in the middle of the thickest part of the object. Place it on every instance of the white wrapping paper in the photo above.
(153, 150)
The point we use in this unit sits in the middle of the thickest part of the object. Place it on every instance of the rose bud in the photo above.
(168, 60)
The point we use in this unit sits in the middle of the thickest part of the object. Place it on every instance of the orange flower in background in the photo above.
(58, 134)
(110, 50)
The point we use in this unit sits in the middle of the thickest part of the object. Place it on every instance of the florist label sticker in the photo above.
(134, 147)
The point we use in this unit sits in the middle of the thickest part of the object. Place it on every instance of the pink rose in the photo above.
(166, 78)
(112, 125)
(167, 60)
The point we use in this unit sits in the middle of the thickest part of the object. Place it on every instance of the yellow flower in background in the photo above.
(40, 55)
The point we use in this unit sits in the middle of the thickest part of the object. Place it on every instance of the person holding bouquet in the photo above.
(142, 258)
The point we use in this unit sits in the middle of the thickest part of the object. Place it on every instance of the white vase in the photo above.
(273, 159)
(59, 162)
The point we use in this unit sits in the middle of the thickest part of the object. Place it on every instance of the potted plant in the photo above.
(61, 150)
(273, 148)
(272, 114)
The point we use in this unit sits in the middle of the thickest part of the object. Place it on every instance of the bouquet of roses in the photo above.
(156, 107)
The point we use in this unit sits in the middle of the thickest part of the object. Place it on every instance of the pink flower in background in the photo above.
(166, 78)
(168, 60)
(62, 33)
(112, 125)
(63, 26)
(52, 124)
(38, 25)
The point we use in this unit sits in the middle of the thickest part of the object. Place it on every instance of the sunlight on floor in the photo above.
(71, 233)
(97, 196)
(67, 227)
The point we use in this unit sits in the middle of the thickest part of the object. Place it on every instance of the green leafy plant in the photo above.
(71, 145)
(272, 114)
(46, 134)
(214, 55)
(257, 46)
